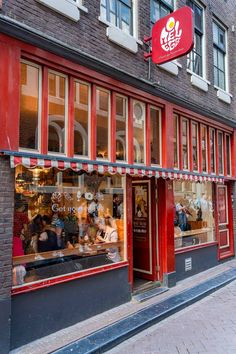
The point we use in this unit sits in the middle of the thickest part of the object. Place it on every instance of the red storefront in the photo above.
(96, 155)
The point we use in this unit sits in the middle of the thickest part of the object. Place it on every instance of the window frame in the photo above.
(183, 119)
(222, 153)
(162, 4)
(222, 51)
(65, 153)
(214, 150)
(176, 116)
(109, 124)
(228, 153)
(201, 34)
(160, 134)
(143, 104)
(126, 126)
(206, 149)
(193, 123)
(89, 117)
(40, 96)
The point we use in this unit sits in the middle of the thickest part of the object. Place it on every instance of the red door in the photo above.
(143, 260)
(225, 228)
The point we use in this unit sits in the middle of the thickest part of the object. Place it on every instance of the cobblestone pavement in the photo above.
(65, 336)
(208, 326)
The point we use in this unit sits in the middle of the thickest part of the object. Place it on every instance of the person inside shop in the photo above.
(21, 222)
(48, 238)
(107, 233)
(182, 217)
(117, 206)
(59, 227)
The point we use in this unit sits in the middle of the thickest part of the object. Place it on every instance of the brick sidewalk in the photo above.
(82, 329)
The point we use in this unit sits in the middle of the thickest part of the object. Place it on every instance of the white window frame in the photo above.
(126, 128)
(109, 123)
(65, 153)
(39, 106)
(160, 135)
(121, 38)
(89, 117)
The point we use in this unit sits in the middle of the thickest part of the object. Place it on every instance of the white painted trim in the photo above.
(223, 95)
(171, 67)
(198, 81)
(68, 8)
(117, 36)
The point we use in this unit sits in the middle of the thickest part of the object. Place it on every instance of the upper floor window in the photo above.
(103, 123)
(228, 155)
(220, 153)
(212, 150)
(30, 94)
(219, 54)
(195, 146)
(139, 132)
(195, 58)
(204, 147)
(160, 8)
(185, 144)
(155, 135)
(118, 13)
(176, 141)
(121, 127)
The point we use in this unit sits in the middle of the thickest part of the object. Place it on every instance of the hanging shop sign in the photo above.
(173, 36)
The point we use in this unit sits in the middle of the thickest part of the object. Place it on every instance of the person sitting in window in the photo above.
(106, 233)
(48, 238)
(183, 214)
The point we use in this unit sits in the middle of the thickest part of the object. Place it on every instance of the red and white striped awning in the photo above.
(31, 162)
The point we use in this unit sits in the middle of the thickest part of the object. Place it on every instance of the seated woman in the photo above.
(107, 233)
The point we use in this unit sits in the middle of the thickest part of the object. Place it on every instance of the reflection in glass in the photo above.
(102, 122)
(212, 150)
(76, 221)
(81, 118)
(228, 155)
(195, 145)
(176, 141)
(121, 128)
(56, 112)
(155, 136)
(220, 153)
(29, 107)
(204, 147)
(194, 221)
(139, 132)
(185, 143)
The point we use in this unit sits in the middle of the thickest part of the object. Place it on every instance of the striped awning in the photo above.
(31, 162)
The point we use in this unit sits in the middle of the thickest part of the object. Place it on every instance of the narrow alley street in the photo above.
(206, 327)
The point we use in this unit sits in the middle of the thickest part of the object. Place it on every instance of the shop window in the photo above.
(220, 153)
(66, 222)
(103, 123)
(155, 135)
(118, 13)
(121, 128)
(81, 118)
(195, 58)
(176, 141)
(228, 155)
(212, 150)
(160, 8)
(204, 147)
(30, 108)
(185, 143)
(139, 132)
(57, 112)
(195, 146)
(219, 55)
(194, 222)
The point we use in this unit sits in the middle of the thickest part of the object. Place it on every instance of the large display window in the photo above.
(194, 221)
(66, 222)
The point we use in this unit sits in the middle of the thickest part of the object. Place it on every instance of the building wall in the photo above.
(6, 218)
(89, 36)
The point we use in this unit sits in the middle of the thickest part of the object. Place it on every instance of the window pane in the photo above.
(198, 14)
(56, 113)
(139, 132)
(204, 148)
(102, 119)
(160, 8)
(81, 119)
(212, 149)
(155, 136)
(185, 143)
(228, 155)
(176, 141)
(220, 153)
(84, 213)
(221, 80)
(29, 107)
(195, 146)
(121, 128)
(194, 221)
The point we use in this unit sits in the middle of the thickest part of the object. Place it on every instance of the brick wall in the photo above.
(6, 218)
(89, 36)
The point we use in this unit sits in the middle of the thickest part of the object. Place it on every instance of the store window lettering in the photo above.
(66, 222)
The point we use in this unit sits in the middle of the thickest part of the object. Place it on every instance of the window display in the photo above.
(66, 222)
(194, 221)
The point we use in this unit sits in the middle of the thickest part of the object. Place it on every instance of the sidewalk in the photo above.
(106, 330)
